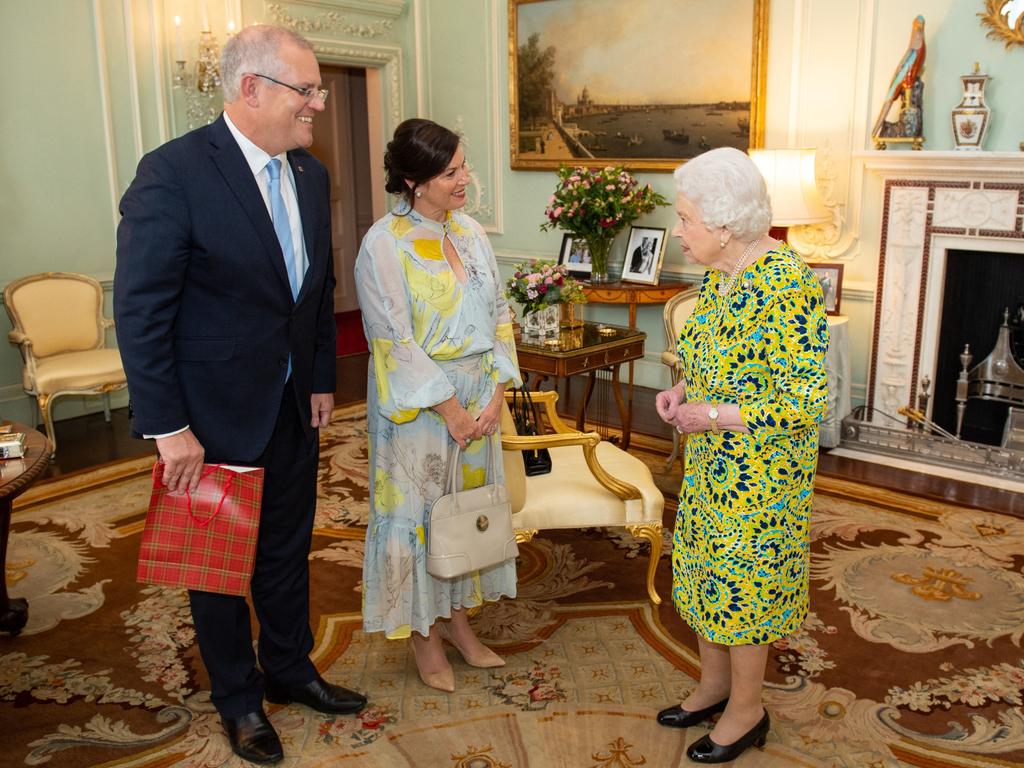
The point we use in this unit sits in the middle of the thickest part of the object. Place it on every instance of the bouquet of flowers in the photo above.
(539, 284)
(598, 202)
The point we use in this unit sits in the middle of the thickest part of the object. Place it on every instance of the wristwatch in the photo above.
(713, 417)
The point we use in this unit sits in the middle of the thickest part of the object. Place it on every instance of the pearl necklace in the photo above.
(725, 286)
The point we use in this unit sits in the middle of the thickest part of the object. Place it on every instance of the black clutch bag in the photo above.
(538, 461)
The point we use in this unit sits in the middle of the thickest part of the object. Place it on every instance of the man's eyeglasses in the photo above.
(308, 93)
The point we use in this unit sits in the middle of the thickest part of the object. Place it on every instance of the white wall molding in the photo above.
(159, 48)
(106, 111)
(133, 75)
(331, 19)
(388, 58)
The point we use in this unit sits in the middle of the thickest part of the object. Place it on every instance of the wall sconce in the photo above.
(200, 84)
(792, 188)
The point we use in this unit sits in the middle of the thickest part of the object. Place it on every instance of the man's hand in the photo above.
(322, 406)
(182, 456)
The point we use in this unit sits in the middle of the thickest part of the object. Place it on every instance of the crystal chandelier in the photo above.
(199, 84)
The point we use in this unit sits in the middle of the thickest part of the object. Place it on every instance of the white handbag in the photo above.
(470, 530)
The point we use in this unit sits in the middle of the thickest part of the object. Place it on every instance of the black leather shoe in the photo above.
(253, 738)
(317, 694)
(677, 717)
(704, 750)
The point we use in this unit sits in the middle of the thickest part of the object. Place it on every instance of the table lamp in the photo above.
(792, 188)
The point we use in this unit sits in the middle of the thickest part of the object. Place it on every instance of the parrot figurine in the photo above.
(907, 72)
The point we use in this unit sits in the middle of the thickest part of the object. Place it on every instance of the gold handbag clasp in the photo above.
(482, 522)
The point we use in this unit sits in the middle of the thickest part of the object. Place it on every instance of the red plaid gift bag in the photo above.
(204, 540)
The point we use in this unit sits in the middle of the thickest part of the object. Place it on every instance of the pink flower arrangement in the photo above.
(598, 202)
(540, 283)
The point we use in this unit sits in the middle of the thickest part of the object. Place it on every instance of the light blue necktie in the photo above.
(282, 226)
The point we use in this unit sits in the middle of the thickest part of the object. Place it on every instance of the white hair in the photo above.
(254, 49)
(729, 191)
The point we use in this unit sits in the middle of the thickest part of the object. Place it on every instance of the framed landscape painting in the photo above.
(646, 84)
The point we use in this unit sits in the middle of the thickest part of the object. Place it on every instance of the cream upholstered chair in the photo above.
(59, 326)
(592, 484)
(677, 310)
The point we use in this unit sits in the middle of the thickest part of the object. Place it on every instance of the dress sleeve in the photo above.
(796, 340)
(506, 362)
(407, 378)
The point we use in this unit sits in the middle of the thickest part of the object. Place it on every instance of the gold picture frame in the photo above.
(650, 130)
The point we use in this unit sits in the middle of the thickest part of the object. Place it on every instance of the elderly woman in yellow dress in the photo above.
(750, 399)
(441, 354)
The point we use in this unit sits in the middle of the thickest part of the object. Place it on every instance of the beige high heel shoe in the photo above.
(485, 659)
(442, 681)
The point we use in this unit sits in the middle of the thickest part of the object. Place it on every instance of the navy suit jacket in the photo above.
(204, 313)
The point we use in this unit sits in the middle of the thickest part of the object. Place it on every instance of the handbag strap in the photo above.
(454, 465)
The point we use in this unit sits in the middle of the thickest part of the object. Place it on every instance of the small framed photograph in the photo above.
(575, 255)
(830, 277)
(644, 253)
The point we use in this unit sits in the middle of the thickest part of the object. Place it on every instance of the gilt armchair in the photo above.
(61, 332)
(592, 484)
(677, 310)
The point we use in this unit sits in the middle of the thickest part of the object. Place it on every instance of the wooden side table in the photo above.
(633, 295)
(16, 475)
(587, 349)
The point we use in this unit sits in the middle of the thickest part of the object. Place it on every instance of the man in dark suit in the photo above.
(223, 296)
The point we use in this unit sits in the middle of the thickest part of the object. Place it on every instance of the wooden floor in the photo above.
(88, 441)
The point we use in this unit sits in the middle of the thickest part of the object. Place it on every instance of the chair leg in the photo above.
(45, 410)
(675, 450)
(106, 407)
(651, 532)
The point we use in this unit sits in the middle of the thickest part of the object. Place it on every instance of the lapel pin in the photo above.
(301, 169)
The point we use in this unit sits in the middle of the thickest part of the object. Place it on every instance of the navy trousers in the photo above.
(280, 581)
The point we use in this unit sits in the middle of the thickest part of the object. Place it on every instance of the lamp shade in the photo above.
(792, 186)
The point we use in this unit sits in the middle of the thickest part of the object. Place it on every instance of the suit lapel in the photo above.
(230, 161)
(306, 194)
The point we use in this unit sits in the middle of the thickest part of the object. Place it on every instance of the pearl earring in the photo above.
(420, 194)
(721, 243)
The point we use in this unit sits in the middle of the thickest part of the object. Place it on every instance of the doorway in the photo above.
(341, 141)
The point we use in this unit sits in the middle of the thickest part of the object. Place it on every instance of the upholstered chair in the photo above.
(61, 332)
(592, 484)
(677, 310)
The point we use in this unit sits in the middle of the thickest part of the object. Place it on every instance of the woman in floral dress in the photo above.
(750, 399)
(441, 354)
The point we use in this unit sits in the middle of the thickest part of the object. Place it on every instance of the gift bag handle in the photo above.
(223, 497)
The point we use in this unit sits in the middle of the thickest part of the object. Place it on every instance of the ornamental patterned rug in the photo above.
(911, 655)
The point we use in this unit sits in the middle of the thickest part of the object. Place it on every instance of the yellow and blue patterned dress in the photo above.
(741, 543)
(430, 337)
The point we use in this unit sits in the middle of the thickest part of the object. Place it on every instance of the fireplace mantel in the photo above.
(944, 165)
(932, 201)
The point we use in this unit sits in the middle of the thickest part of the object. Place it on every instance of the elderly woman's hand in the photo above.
(667, 401)
(693, 417)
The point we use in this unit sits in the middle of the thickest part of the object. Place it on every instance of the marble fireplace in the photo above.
(932, 207)
(938, 206)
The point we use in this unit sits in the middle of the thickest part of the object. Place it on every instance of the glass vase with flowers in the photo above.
(596, 204)
(539, 287)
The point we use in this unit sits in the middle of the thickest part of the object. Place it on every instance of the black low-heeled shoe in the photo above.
(677, 717)
(704, 750)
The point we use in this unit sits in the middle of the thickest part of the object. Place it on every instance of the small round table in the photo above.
(16, 475)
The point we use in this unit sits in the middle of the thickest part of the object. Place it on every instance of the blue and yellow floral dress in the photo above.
(741, 543)
(430, 337)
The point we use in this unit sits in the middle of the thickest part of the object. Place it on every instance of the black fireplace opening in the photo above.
(979, 286)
